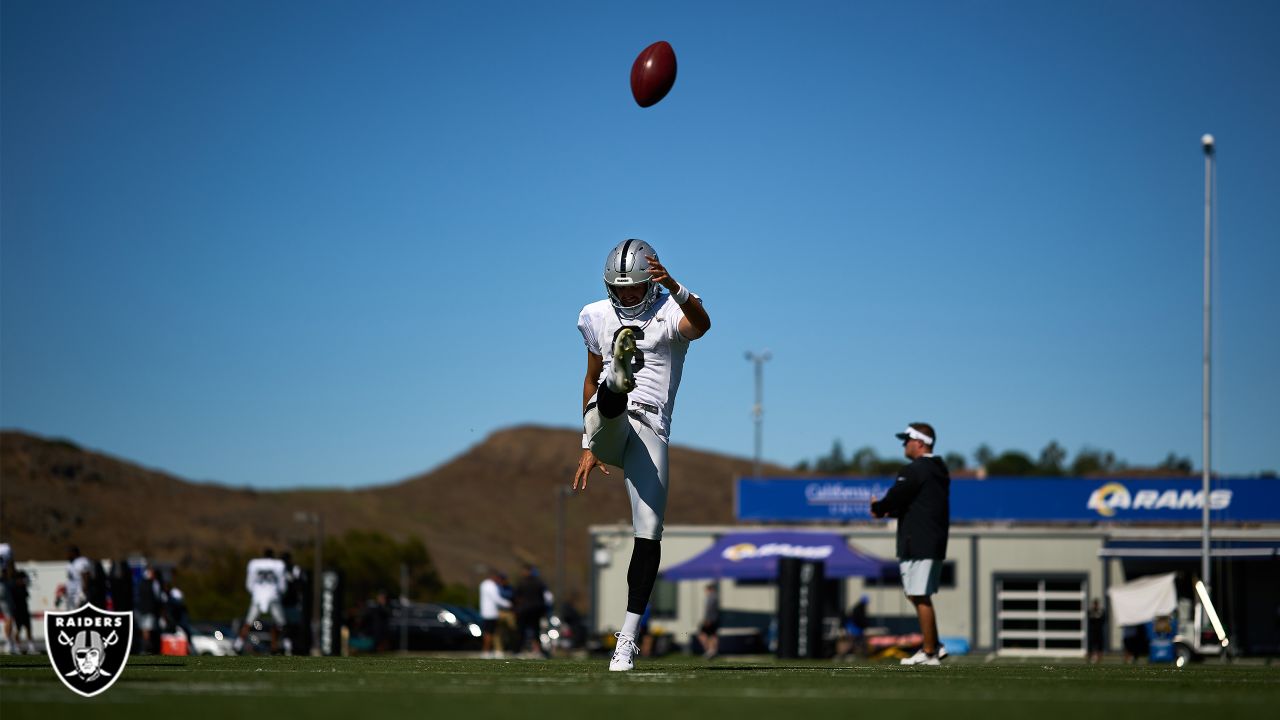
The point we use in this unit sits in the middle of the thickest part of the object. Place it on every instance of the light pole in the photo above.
(316, 519)
(1207, 143)
(562, 496)
(757, 410)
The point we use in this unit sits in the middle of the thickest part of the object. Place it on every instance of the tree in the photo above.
(983, 455)
(1173, 463)
(1012, 462)
(1051, 459)
(864, 461)
(834, 461)
(954, 461)
(1092, 461)
(370, 562)
(217, 591)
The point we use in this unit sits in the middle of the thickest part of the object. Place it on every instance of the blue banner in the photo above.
(1021, 499)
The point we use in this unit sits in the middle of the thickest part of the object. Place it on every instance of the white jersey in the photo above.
(491, 600)
(659, 358)
(77, 569)
(265, 579)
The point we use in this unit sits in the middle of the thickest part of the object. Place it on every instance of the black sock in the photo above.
(609, 403)
(642, 573)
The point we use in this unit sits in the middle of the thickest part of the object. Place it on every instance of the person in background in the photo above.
(120, 587)
(147, 613)
(6, 596)
(179, 617)
(708, 632)
(96, 589)
(853, 643)
(921, 501)
(531, 606)
(292, 600)
(572, 618)
(1097, 626)
(77, 584)
(378, 617)
(18, 600)
(265, 581)
(644, 638)
(492, 602)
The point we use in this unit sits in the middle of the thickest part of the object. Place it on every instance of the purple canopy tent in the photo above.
(754, 556)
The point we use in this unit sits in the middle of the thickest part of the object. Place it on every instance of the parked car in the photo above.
(470, 617)
(432, 627)
(211, 639)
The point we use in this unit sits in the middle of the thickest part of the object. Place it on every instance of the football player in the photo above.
(636, 341)
(265, 579)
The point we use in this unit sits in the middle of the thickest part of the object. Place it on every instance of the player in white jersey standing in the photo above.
(636, 342)
(265, 579)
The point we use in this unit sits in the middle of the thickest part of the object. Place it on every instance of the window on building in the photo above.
(1041, 615)
(664, 600)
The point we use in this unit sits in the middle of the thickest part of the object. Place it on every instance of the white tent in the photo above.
(1142, 600)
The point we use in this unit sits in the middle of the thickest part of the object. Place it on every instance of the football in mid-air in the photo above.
(653, 73)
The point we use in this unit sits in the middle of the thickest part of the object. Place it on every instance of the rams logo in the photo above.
(1114, 496)
(1108, 497)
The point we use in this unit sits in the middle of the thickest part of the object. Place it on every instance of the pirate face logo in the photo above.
(88, 647)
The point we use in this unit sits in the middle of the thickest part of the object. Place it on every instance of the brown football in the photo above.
(653, 73)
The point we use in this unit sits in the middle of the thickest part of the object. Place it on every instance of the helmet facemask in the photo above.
(628, 265)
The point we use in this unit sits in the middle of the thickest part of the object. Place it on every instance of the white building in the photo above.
(1019, 587)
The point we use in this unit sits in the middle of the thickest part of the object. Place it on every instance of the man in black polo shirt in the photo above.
(920, 500)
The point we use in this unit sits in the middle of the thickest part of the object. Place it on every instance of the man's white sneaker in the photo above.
(623, 654)
(942, 651)
(620, 379)
(921, 658)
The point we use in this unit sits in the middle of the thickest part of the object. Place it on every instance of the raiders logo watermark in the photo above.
(88, 647)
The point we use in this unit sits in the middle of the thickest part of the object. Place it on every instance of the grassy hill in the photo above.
(493, 504)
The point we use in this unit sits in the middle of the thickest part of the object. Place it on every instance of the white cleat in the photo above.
(620, 379)
(921, 658)
(942, 651)
(624, 654)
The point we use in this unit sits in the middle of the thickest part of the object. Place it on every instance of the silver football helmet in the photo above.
(628, 264)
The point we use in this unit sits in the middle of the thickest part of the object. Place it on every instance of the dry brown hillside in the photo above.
(494, 503)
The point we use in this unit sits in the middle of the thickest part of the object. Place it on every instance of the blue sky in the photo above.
(337, 243)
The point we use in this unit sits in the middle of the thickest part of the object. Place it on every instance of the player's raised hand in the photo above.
(586, 464)
(658, 273)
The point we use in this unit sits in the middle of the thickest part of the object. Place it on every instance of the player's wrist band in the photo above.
(586, 441)
(681, 296)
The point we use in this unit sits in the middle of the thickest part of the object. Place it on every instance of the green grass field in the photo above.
(426, 687)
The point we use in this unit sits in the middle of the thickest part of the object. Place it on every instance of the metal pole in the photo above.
(316, 581)
(316, 575)
(757, 410)
(1207, 142)
(404, 607)
(562, 494)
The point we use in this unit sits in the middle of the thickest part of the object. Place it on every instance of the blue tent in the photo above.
(754, 556)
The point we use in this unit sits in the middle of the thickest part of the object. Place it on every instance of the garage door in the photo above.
(1041, 616)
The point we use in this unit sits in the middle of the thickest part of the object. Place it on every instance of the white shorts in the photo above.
(629, 442)
(920, 577)
(266, 607)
